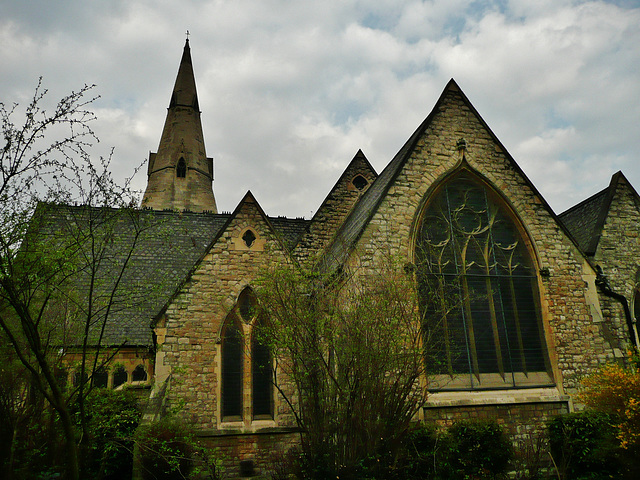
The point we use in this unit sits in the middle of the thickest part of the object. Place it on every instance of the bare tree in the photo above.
(58, 282)
(349, 360)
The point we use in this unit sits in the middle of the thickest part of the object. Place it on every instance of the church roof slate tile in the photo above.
(163, 246)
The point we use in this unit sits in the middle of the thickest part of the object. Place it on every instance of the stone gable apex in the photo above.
(350, 187)
(453, 130)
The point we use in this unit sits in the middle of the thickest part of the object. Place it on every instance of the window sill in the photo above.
(489, 381)
(495, 397)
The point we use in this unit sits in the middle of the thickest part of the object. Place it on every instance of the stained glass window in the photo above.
(478, 287)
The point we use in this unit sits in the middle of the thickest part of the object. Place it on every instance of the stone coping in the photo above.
(495, 397)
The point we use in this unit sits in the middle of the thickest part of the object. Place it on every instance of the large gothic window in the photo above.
(478, 287)
(232, 371)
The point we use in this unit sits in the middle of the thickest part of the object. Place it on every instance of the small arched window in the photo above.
(76, 378)
(232, 368)
(100, 378)
(181, 168)
(247, 304)
(120, 377)
(478, 289)
(139, 374)
(261, 372)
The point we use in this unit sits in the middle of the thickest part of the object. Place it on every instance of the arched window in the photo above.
(120, 377)
(100, 378)
(232, 368)
(181, 168)
(76, 378)
(479, 294)
(261, 370)
(139, 374)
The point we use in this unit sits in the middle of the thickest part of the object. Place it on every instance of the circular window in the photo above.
(360, 182)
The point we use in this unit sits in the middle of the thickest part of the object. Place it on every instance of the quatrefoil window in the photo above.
(248, 238)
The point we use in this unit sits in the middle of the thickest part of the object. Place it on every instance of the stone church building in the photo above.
(558, 292)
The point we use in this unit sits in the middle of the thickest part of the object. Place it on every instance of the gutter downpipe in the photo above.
(603, 284)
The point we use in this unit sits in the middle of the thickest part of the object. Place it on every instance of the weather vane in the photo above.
(188, 34)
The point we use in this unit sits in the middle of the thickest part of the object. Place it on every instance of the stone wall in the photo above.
(189, 355)
(254, 454)
(618, 254)
(576, 344)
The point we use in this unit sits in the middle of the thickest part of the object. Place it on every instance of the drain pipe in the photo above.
(603, 284)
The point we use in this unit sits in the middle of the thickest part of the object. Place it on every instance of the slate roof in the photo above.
(289, 229)
(161, 248)
(584, 220)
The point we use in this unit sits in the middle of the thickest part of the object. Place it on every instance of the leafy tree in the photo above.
(57, 288)
(349, 356)
(615, 389)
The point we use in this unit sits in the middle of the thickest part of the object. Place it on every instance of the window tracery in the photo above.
(257, 357)
(478, 287)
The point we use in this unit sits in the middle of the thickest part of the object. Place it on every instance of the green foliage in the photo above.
(169, 450)
(466, 451)
(350, 360)
(584, 446)
(478, 450)
(112, 419)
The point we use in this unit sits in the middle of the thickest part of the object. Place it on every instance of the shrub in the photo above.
(467, 450)
(478, 450)
(615, 389)
(168, 450)
(112, 419)
(165, 450)
(584, 445)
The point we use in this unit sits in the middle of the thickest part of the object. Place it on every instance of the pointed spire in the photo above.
(180, 175)
(184, 91)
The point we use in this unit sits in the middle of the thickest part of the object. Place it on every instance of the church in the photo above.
(559, 292)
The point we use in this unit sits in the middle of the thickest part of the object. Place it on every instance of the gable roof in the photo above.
(354, 225)
(586, 220)
(161, 248)
(337, 204)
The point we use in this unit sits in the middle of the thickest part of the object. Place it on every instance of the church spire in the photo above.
(180, 174)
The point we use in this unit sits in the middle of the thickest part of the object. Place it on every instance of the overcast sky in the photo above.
(290, 90)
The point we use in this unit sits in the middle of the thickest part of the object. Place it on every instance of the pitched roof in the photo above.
(160, 249)
(337, 204)
(586, 220)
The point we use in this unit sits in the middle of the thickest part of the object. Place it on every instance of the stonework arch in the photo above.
(478, 280)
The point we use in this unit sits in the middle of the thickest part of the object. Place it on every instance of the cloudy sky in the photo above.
(290, 90)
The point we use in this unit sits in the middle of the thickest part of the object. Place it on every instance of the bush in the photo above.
(478, 450)
(112, 419)
(584, 445)
(616, 390)
(467, 450)
(168, 450)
